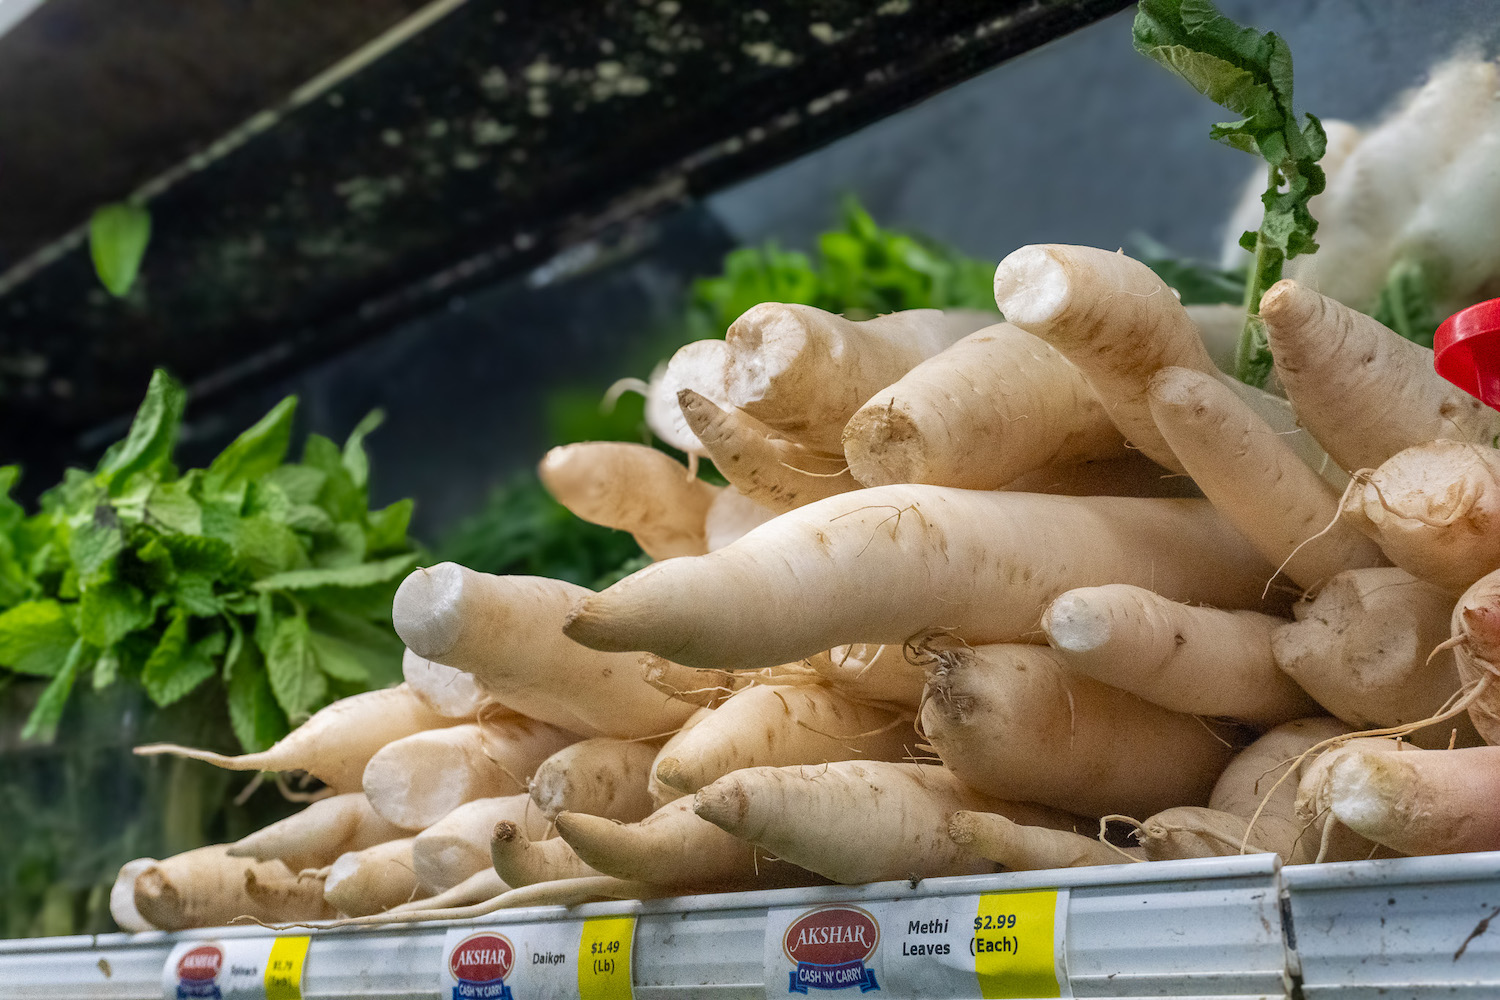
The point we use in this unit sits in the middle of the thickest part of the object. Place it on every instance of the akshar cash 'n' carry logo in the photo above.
(198, 973)
(830, 946)
(480, 963)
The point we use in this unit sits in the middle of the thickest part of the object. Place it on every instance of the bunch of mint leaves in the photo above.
(1249, 73)
(273, 577)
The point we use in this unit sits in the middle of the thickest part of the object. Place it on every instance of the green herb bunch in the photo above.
(275, 577)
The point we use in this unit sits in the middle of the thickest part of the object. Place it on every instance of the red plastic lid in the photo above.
(1467, 351)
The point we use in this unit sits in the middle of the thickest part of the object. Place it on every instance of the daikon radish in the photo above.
(1195, 832)
(1432, 802)
(506, 631)
(458, 845)
(1433, 508)
(804, 372)
(1256, 788)
(1112, 317)
(1364, 392)
(1189, 659)
(373, 880)
(482, 885)
(878, 673)
(1013, 722)
(317, 835)
(1388, 174)
(1132, 476)
(774, 725)
(601, 777)
(704, 688)
(889, 563)
(1476, 631)
(1255, 479)
(1021, 848)
(771, 471)
(731, 517)
(122, 897)
(994, 406)
(1316, 788)
(417, 781)
(208, 888)
(660, 792)
(632, 488)
(1364, 649)
(562, 892)
(676, 849)
(336, 743)
(520, 860)
(701, 366)
(858, 821)
(453, 694)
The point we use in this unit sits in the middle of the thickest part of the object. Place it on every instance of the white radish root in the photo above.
(417, 781)
(373, 880)
(873, 673)
(1366, 649)
(207, 888)
(1433, 508)
(455, 847)
(1476, 629)
(632, 488)
(1255, 480)
(982, 413)
(600, 777)
(318, 834)
(775, 725)
(336, 743)
(520, 860)
(889, 563)
(1132, 476)
(1021, 848)
(769, 470)
(1013, 722)
(1363, 391)
(1112, 317)
(731, 517)
(507, 632)
(804, 372)
(453, 694)
(1197, 660)
(858, 821)
(701, 366)
(122, 897)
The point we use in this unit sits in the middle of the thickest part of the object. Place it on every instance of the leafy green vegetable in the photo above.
(1250, 74)
(140, 573)
(1407, 302)
(118, 235)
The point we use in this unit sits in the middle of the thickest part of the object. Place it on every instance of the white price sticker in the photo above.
(996, 945)
(236, 969)
(511, 962)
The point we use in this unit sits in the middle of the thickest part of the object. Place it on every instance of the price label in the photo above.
(604, 958)
(510, 962)
(1014, 945)
(1001, 945)
(236, 969)
(284, 968)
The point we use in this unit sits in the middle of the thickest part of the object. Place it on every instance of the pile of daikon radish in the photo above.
(978, 596)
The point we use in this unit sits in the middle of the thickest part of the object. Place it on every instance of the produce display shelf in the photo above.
(1215, 927)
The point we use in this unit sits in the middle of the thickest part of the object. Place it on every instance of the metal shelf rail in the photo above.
(1238, 927)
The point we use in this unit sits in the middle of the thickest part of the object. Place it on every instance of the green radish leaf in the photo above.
(354, 459)
(292, 665)
(95, 544)
(108, 612)
(363, 575)
(153, 433)
(309, 518)
(256, 452)
(385, 529)
(340, 660)
(35, 638)
(267, 548)
(301, 483)
(342, 548)
(42, 724)
(171, 507)
(198, 554)
(194, 593)
(339, 496)
(257, 720)
(118, 235)
(159, 676)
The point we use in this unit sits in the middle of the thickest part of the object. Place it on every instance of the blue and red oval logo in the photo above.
(832, 935)
(482, 958)
(201, 964)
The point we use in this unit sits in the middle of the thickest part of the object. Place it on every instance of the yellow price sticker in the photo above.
(1013, 945)
(284, 968)
(604, 958)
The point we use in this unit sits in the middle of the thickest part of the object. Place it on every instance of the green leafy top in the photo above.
(274, 576)
(118, 235)
(1250, 74)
